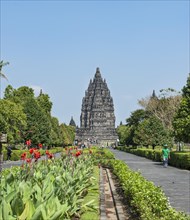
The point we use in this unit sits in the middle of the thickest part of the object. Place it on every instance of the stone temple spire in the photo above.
(97, 120)
(153, 94)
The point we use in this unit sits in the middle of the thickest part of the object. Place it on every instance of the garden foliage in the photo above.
(51, 189)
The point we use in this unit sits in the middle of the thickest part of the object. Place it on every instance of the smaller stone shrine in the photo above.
(97, 120)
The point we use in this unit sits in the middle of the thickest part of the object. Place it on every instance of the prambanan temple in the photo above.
(97, 120)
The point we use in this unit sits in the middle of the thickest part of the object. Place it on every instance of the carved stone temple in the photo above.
(97, 120)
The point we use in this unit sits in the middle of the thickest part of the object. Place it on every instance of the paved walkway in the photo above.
(111, 207)
(174, 182)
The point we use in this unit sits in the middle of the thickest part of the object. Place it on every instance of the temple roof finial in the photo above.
(97, 72)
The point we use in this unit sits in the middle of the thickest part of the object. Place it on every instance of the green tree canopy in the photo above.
(163, 107)
(44, 102)
(124, 133)
(151, 132)
(37, 122)
(181, 122)
(12, 120)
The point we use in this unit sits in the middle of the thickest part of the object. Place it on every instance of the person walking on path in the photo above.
(165, 155)
(9, 152)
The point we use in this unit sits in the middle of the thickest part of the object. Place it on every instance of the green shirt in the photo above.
(165, 152)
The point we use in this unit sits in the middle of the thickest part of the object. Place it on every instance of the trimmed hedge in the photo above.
(180, 160)
(147, 201)
(177, 159)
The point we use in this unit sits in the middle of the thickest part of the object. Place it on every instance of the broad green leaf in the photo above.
(57, 215)
(17, 205)
(28, 211)
(37, 214)
(10, 196)
(5, 209)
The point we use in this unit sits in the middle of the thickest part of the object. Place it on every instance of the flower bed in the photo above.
(51, 189)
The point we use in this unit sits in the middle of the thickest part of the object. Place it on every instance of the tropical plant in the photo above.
(2, 75)
(51, 189)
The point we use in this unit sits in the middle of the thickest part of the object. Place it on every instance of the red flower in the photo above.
(28, 160)
(78, 153)
(23, 156)
(47, 152)
(28, 142)
(31, 151)
(40, 145)
(37, 155)
(50, 156)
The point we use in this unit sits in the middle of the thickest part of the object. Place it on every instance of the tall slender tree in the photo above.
(2, 64)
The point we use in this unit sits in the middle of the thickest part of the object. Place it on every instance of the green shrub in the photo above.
(180, 160)
(147, 201)
(177, 159)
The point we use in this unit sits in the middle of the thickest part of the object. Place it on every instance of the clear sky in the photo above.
(57, 45)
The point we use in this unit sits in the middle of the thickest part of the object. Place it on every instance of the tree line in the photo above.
(26, 117)
(161, 119)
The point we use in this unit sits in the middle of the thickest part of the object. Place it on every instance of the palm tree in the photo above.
(1, 74)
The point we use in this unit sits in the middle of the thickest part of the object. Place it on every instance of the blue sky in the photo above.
(57, 45)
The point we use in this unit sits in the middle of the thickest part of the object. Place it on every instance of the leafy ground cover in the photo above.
(51, 189)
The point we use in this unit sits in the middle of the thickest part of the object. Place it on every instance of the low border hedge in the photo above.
(147, 200)
(177, 159)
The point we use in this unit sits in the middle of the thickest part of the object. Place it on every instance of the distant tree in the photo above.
(9, 92)
(150, 132)
(55, 134)
(44, 102)
(67, 134)
(136, 117)
(163, 107)
(124, 133)
(20, 95)
(71, 132)
(12, 118)
(181, 122)
(38, 122)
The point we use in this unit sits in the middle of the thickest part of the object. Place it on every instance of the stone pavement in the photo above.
(110, 205)
(174, 182)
